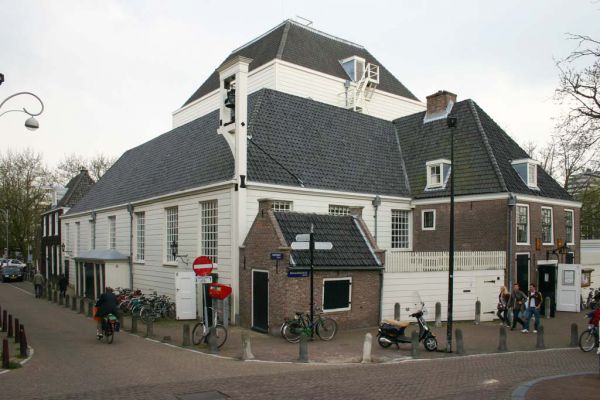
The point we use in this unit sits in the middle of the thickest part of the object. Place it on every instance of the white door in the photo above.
(487, 289)
(568, 287)
(185, 294)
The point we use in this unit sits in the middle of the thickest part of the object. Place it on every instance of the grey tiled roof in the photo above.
(482, 152)
(77, 187)
(307, 47)
(350, 248)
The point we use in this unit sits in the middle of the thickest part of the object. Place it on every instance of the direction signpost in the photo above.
(306, 241)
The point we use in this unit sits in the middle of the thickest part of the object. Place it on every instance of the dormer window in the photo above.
(437, 174)
(527, 170)
(354, 67)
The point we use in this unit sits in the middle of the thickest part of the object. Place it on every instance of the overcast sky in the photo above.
(111, 72)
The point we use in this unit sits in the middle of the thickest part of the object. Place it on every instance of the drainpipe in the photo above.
(512, 202)
(93, 230)
(130, 210)
(376, 203)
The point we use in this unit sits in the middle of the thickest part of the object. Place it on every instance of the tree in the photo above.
(72, 164)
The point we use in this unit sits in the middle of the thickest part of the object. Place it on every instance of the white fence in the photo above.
(439, 261)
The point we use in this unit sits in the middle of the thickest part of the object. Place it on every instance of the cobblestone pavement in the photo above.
(70, 364)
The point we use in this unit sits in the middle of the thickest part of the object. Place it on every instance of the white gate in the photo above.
(185, 294)
(568, 287)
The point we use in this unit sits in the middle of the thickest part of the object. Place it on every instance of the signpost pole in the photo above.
(312, 252)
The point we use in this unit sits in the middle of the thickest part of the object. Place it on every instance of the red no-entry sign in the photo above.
(202, 266)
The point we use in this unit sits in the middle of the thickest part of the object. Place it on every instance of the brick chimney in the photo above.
(439, 105)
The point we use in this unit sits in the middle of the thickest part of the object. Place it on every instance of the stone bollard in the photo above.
(17, 325)
(246, 347)
(502, 347)
(414, 343)
(5, 355)
(150, 329)
(397, 311)
(477, 312)
(186, 336)
(547, 302)
(81, 306)
(574, 336)
(22, 342)
(539, 344)
(10, 326)
(212, 341)
(303, 356)
(438, 314)
(134, 324)
(367, 345)
(460, 344)
(74, 303)
(4, 321)
(90, 310)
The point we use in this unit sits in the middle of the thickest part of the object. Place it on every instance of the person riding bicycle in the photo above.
(594, 317)
(107, 304)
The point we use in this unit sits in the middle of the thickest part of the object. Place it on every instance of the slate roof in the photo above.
(307, 47)
(482, 152)
(77, 187)
(350, 247)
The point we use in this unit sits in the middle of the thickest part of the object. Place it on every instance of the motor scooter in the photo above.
(392, 332)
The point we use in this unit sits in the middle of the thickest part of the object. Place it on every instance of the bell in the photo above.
(230, 99)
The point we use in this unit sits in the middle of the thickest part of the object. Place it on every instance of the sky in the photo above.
(110, 73)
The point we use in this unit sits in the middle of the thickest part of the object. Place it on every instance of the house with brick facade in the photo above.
(310, 126)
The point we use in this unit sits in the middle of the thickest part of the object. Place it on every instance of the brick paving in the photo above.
(70, 364)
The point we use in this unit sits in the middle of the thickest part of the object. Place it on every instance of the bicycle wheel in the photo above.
(586, 340)
(291, 331)
(109, 334)
(326, 328)
(221, 333)
(147, 315)
(198, 333)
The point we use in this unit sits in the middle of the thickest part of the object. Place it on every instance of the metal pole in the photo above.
(451, 253)
(312, 284)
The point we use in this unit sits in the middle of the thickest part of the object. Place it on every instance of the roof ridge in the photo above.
(327, 35)
(283, 41)
(487, 145)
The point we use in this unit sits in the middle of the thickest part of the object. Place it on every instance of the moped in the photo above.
(393, 332)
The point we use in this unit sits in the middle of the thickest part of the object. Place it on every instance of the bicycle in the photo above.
(158, 307)
(110, 325)
(324, 327)
(201, 330)
(588, 339)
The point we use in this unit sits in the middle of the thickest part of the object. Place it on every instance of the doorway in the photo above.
(88, 270)
(547, 285)
(260, 300)
(523, 271)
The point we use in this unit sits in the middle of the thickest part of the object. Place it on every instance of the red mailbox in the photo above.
(219, 291)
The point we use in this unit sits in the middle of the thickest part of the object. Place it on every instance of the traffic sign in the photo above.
(303, 237)
(202, 266)
(204, 279)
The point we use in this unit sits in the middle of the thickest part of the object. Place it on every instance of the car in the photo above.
(16, 263)
(12, 274)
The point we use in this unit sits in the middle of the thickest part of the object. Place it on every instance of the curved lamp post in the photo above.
(31, 123)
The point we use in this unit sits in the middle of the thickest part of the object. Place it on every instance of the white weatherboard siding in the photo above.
(590, 258)
(469, 286)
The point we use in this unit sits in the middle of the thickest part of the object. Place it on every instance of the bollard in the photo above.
(5, 355)
(67, 302)
(303, 356)
(539, 344)
(574, 336)
(438, 314)
(49, 292)
(477, 312)
(460, 344)
(4, 321)
(90, 310)
(81, 306)
(186, 335)
(74, 303)
(367, 344)
(17, 325)
(134, 324)
(212, 340)
(502, 347)
(10, 326)
(22, 342)
(397, 311)
(150, 329)
(414, 343)
(246, 348)
(547, 302)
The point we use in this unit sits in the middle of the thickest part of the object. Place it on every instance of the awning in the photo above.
(101, 255)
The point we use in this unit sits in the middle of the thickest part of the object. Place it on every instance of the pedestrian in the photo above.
(516, 303)
(38, 281)
(62, 285)
(502, 313)
(534, 304)
(107, 304)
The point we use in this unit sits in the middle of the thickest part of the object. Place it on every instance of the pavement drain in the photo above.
(212, 395)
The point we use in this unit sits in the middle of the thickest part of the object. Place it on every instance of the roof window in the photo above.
(438, 172)
(354, 67)
(527, 170)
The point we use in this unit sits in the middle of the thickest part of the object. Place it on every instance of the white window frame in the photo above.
(423, 227)
(572, 238)
(67, 238)
(348, 278)
(551, 242)
(531, 180)
(140, 236)
(171, 233)
(91, 226)
(56, 224)
(526, 243)
(112, 232)
(282, 206)
(355, 60)
(339, 210)
(443, 165)
(409, 228)
(209, 238)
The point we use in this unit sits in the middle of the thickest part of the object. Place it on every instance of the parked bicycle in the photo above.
(324, 327)
(157, 307)
(202, 330)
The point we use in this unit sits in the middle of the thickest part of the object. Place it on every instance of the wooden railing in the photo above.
(438, 261)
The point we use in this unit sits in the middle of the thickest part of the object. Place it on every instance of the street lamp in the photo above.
(31, 123)
(451, 122)
(5, 210)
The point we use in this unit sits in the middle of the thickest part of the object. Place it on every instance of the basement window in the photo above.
(438, 172)
(527, 170)
(337, 294)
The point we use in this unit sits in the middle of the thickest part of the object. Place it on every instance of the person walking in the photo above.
(62, 285)
(502, 313)
(516, 303)
(534, 304)
(38, 281)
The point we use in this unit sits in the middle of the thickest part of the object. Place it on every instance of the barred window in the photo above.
(338, 210)
(210, 229)
(522, 224)
(279, 206)
(68, 238)
(547, 225)
(400, 229)
(77, 238)
(112, 232)
(569, 226)
(140, 218)
(172, 230)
